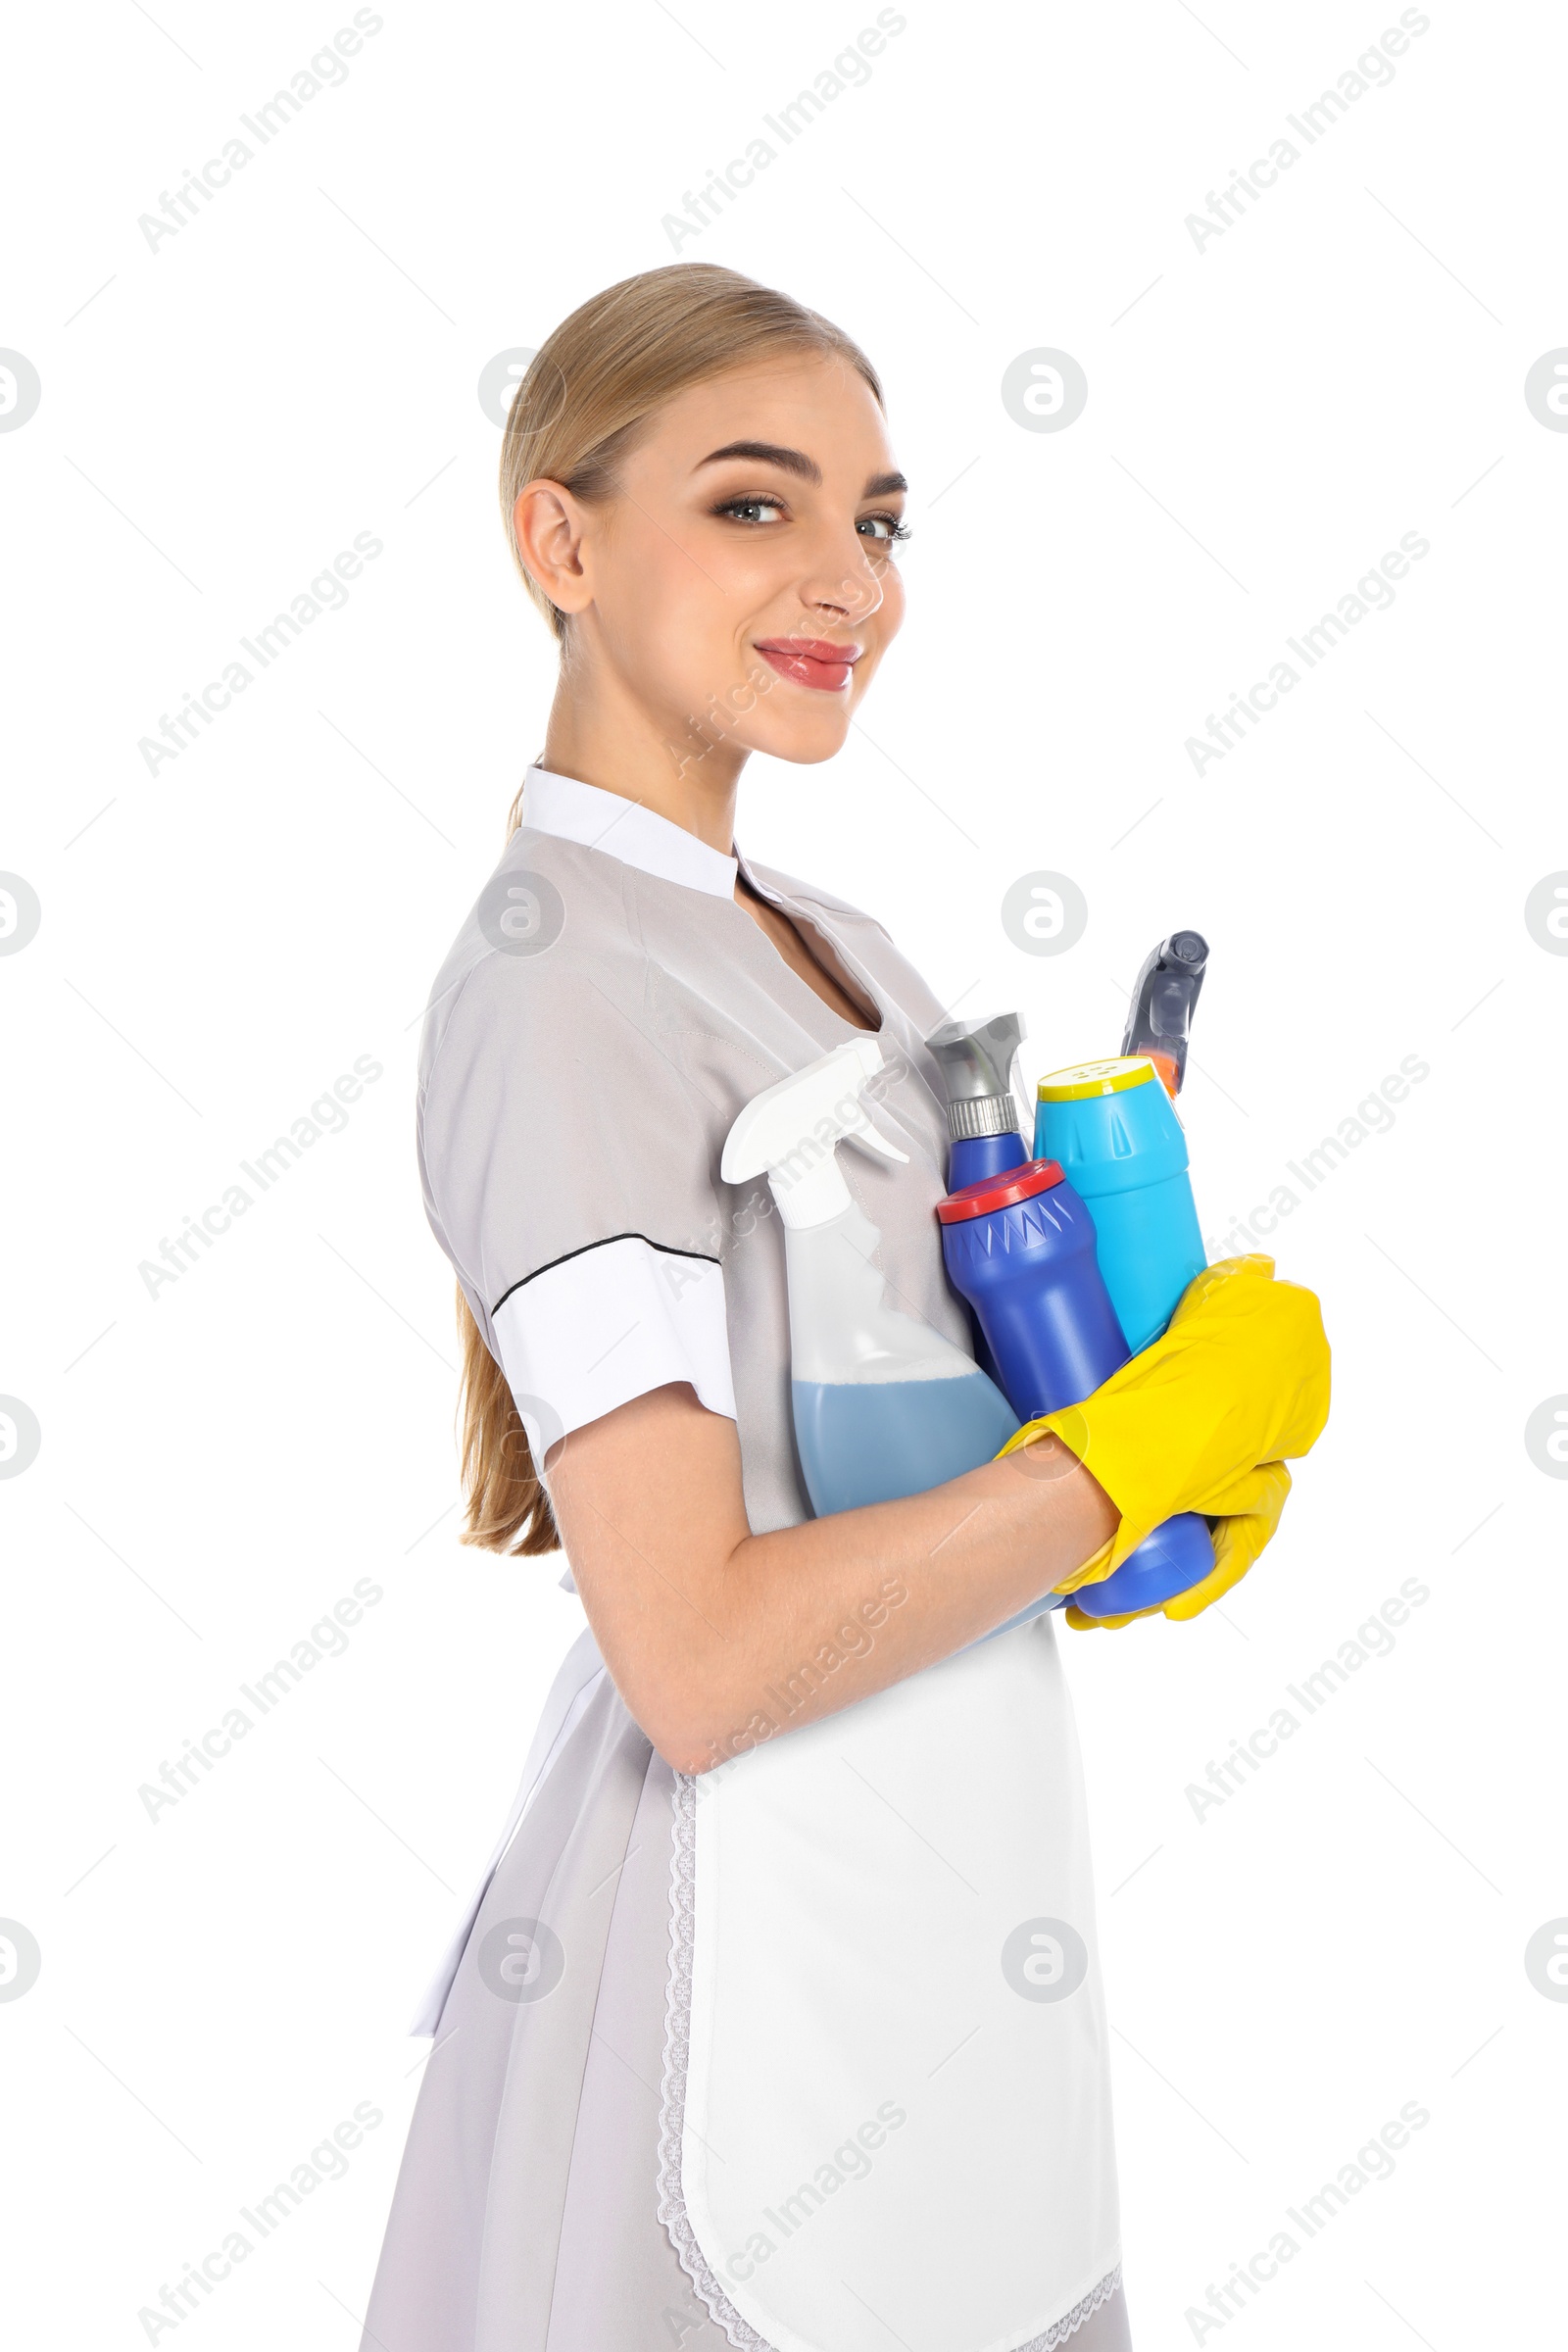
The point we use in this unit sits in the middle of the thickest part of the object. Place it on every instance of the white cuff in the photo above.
(607, 1324)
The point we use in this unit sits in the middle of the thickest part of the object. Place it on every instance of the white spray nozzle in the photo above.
(789, 1131)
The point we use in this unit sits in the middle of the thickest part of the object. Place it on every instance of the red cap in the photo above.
(999, 1191)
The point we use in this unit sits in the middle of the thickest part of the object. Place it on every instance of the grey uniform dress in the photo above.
(603, 1014)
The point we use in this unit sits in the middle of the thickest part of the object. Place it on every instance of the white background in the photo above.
(220, 1464)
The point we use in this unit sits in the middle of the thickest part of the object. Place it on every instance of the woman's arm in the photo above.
(717, 1639)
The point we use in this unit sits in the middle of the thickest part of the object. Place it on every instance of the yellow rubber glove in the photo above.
(1239, 1381)
(1239, 1538)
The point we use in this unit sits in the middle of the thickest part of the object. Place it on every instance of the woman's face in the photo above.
(742, 587)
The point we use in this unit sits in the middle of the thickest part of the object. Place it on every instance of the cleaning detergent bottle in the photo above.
(1113, 1128)
(976, 1060)
(884, 1405)
(1021, 1246)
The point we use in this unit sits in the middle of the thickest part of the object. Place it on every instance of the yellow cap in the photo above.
(1096, 1078)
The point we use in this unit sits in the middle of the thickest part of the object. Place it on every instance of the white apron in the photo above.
(885, 2100)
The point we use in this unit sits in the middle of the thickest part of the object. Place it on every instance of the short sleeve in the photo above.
(568, 1174)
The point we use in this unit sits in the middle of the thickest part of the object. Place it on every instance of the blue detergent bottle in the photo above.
(976, 1060)
(1113, 1128)
(884, 1406)
(1021, 1247)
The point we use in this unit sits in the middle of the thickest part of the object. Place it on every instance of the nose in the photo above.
(843, 586)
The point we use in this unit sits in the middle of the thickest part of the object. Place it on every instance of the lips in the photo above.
(810, 661)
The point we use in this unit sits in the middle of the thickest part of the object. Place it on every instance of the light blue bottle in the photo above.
(884, 1405)
(1114, 1130)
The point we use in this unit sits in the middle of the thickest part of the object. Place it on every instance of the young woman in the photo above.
(778, 2021)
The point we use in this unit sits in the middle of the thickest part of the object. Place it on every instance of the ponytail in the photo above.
(506, 1508)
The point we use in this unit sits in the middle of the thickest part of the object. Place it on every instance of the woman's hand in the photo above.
(1202, 1420)
(719, 1640)
(1256, 1503)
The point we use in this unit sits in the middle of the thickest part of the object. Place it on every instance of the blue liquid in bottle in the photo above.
(865, 1442)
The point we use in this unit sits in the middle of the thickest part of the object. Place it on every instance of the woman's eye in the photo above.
(886, 528)
(753, 509)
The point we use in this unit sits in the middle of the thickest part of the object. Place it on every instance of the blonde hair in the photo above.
(589, 390)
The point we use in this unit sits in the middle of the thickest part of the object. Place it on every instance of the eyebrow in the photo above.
(795, 461)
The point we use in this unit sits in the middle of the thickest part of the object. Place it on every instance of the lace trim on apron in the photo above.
(672, 2110)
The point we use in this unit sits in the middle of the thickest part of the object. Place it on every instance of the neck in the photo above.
(599, 734)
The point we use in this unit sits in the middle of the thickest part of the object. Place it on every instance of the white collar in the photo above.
(623, 829)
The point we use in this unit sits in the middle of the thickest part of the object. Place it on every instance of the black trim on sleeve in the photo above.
(667, 1249)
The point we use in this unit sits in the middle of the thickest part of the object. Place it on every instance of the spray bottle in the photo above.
(884, 1405)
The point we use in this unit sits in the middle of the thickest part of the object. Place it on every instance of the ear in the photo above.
(550, 525)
